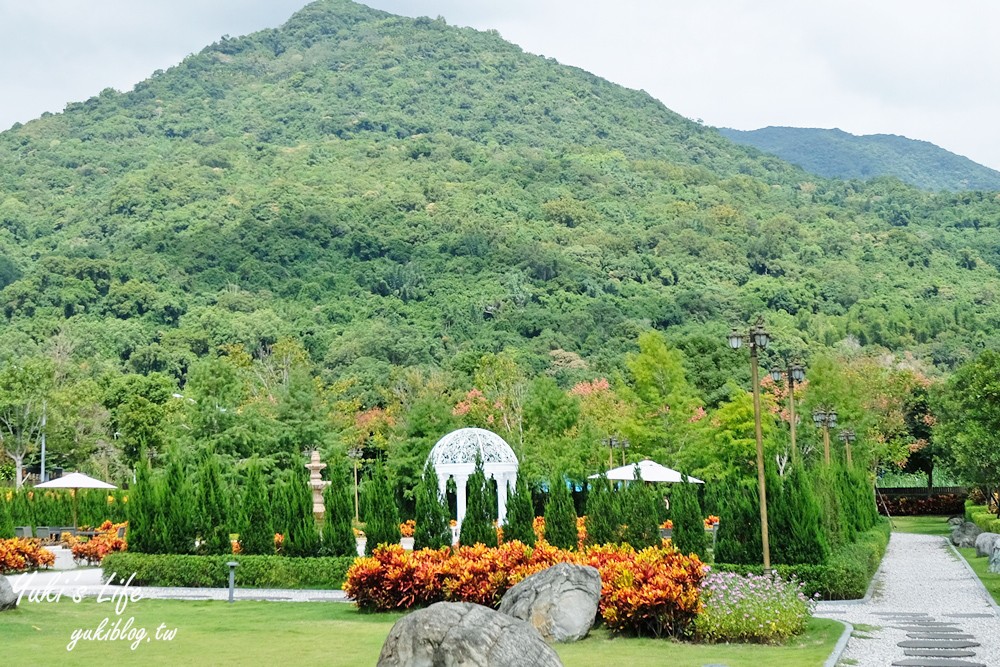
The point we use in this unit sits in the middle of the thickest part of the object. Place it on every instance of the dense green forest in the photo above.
(338, 231)
(839, 154)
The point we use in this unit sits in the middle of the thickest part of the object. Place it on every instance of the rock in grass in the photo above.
(8, 598)
(453, 634)
(560, 601)
(985, 542)
(964, 536)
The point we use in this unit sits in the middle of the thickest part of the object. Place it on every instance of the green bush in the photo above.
(381, 515)
(845, 576)
(751, 608)
(212, 571)
(603, 520)
(520, 515)
(560, 516)
(688, 535)
(480, 511)
(433, 528)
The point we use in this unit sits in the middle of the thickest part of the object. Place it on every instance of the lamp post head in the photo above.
(776, 374)
(831, 418)
(819, 417)
(735, 339)
(355, 452)
(847, 435)
(798, 372)
(761, 337)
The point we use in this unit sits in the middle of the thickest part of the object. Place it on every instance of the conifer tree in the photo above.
(257, 531)
(381, 513)
(279, 494)
(175, 519)
(560, 515)
(302, 538)
(142, 510)
(642, 507)
(338, 529)
(738, 536)
(688, 533)
(797, 524)
(477, 526)
(520, 523)
(603, 517)
(212, 520)
(433, 530)
(6, 519)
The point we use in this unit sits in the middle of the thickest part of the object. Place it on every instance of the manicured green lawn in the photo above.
(923, 525)
(979, 563)
(217, 633)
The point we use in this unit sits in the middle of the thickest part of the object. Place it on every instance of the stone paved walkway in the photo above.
(927, 609)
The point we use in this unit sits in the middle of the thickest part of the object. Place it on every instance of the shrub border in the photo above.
(169, 570)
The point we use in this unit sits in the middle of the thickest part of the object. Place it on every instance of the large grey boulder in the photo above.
(965, 535)
(994, 564)
(985, 542)
(453, 634)
(8, 598)
(560, 601)
(954, 521)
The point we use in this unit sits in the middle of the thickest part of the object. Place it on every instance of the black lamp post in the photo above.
(758, 337)
(794, 373)
(612, 443)
(847, 436)
(825, 419)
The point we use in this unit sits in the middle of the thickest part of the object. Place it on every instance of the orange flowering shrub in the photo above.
(656, 593)
(653, 592)
(23, 553)
(711, 521)
(581, 531)
(538, 525)
(236, 546)
(97, 547)
(667, 525)
(407, 528)
(279, 542)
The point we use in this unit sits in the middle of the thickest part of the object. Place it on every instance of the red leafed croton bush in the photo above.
(23, 553)
(650, 592)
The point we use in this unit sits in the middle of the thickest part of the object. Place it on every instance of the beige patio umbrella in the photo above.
(74, 481)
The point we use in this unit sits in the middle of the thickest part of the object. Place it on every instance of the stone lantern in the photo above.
(316, 484)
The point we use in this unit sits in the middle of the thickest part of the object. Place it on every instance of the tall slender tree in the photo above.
(433, 530)
(477, 526)
(381, 513)
(603, 518)
(688, 533)
(520, 515)
(212, 520)
(560, 516)
(338, 529)
(256, 532)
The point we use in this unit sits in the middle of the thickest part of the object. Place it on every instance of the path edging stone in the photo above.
(841, 644)
(972, 573)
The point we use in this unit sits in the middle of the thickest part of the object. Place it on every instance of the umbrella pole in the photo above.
(73, 493)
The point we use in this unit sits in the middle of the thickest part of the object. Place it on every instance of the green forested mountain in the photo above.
(395, 193)
(838, 154)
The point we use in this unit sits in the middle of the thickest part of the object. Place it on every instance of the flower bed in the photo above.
(650, 592)
(752, 608)
(23, 553)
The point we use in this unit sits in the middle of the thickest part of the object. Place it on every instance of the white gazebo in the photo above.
(454, 455)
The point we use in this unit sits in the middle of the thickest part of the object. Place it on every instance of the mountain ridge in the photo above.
(834, 153)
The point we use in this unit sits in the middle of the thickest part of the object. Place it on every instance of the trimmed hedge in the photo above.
(845, 576)
(982, 517)
(212, 571)
(948, 503)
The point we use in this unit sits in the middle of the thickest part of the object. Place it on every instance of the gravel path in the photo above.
(923, 591)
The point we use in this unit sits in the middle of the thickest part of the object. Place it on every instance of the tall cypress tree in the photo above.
(279, 495)
(142, 510)
(797, 524)
(433, 530)
(175, 520)
(212, 520)
(520, 515)
(302, 539)
(688, 534)
(560, 515)
(338, 533)
(738, 535)
(603, 518)
(6, 519)
(477, 526)
(642, 508)
(256, 532)
(381, 513)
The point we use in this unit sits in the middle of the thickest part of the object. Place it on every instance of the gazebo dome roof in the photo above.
(461, 446)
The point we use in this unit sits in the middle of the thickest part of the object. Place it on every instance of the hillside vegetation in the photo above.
(838, 154)
(373, 194)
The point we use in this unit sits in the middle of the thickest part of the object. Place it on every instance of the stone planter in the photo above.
(407, 543)
(361, 542)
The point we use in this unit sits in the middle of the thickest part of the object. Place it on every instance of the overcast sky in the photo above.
(924, 69)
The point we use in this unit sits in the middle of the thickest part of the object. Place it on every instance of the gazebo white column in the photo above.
(461, 482)
(502, 480)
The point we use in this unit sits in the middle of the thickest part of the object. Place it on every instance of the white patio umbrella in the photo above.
(651, 471)
(74, 481)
